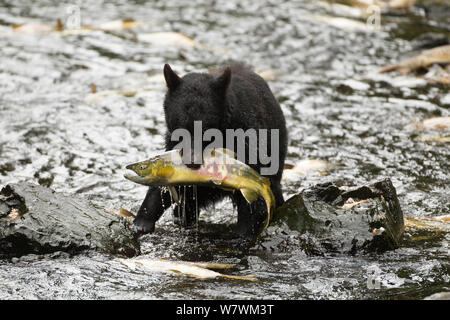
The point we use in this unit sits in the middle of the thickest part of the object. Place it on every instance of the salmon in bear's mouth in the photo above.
(219, 169)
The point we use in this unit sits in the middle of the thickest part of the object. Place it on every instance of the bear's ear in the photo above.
(223, 81)
(172, 79)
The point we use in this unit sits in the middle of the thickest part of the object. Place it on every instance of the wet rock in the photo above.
(364, 219)
(37, 220)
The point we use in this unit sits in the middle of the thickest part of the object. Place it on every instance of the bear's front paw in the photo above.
(143, 226)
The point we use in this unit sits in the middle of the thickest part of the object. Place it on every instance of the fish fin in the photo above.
(58, 26)
(125, 213)
(174, 194)
(249, 195)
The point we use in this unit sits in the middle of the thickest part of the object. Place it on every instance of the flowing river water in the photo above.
(54, 131)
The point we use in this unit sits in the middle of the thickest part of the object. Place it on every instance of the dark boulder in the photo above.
(35, 219)
(371, 221)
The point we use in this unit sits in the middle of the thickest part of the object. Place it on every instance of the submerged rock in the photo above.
(35, 219)
(368, 218)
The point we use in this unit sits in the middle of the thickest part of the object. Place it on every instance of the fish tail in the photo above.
(270, 207)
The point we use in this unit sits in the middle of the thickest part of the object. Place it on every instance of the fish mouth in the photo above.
(133, 176)
(131, 166)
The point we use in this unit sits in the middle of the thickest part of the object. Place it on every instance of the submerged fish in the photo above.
(383, 4)
(198, 270)
(305, 167)
(437, 123)
(434, 224)
(438, 55)
(37, 27)
(219, 169)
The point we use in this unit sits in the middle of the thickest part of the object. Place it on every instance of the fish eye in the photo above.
(142, 167)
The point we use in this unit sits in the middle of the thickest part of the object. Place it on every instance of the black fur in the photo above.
(233, 98)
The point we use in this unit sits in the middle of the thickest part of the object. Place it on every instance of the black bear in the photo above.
(232, 98)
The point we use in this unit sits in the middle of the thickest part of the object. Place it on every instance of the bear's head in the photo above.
(196, 97)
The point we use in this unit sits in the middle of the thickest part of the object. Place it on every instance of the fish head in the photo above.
(144, 172)
(155, 170)
(142, 168)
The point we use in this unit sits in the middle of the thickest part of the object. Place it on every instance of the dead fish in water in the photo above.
(438, 55)
(200, 270)
(122, 212)
(125, 213)
(440, 138)
(168, 39)
(116, 25)
(436, 123)
(399, 4)
(385, 4)
(436, 224)
(122, 24)
(350, 25)
(350, 203)
(219, 169)
(445, 218)
(37, 27)
(305, 167)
